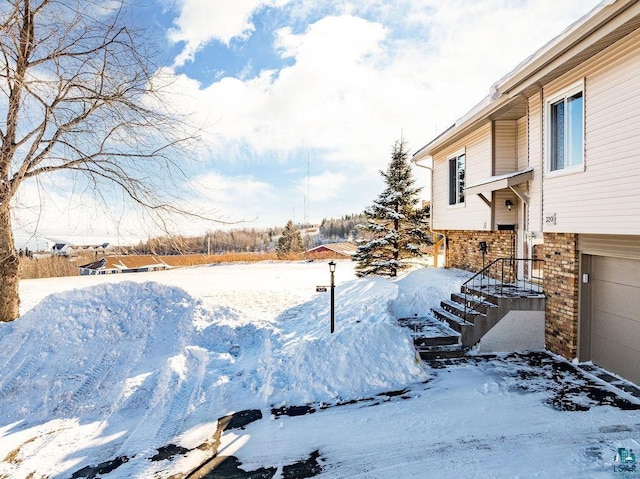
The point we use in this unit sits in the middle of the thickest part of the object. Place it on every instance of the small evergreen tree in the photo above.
(396, 227)
(290, 241)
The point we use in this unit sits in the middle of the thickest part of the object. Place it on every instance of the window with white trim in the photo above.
(457, 166)
(566, 130)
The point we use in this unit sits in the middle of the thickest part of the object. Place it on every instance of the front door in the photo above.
(532, 248)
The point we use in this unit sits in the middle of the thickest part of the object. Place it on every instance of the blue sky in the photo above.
(297, 92)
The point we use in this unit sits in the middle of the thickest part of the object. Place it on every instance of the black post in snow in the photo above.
(332, 269)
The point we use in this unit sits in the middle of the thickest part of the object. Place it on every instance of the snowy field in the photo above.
(149, 375)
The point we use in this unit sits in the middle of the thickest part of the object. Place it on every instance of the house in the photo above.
(547, 169)
(342, 249)
(142, 263)
(123, 264)
(62, 249)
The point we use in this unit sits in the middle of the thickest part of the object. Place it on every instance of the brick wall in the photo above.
(463, 250)
(561, 275)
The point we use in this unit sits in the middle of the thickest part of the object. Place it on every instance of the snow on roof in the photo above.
(124, 262)
(346, 249)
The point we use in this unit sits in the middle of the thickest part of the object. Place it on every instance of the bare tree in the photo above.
(79, 95)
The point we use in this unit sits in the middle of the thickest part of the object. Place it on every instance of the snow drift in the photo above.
(147, 352)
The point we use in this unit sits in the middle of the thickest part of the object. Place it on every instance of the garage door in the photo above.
(615, 315)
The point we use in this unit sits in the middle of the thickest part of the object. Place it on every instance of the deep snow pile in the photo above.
(98, 381)
(145, 363)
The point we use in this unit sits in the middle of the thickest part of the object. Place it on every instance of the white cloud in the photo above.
(238, 198)
(354, 87)
(354, 81)
(341, 88)
(202, 21)
(326, 186)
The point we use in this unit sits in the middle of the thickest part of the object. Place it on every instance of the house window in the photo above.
(566, 130)
(456, 179)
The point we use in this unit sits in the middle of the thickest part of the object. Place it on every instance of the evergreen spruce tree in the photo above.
(396, 226)
(290, 241)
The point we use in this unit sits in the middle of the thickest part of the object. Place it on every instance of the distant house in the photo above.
(547, 170)
(62, 249)
(343, 249)
(141, 263)
(123, 264)
(94, 248)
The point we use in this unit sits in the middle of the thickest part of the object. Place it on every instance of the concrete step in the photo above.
(422, 342)
(440, 352)
(484, 294)
(456, 323)
(429, 331)
(470, 315)
(473, 302)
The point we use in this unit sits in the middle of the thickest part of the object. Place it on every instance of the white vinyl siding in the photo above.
(522, 162)
(505, 161)
(502, 215)
(474, 214)
(618, 246)
(605, 199)
(505, 146)
(522, 152)
(534, 138)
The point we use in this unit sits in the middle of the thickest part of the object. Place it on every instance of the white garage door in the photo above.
(615, 315)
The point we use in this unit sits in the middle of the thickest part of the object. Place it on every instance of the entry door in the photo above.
(532, 245)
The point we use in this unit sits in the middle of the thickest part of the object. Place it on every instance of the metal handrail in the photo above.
(504, 274)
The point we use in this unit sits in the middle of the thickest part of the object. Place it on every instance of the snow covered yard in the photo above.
(133, 375)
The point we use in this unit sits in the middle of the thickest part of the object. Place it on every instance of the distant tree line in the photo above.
(213, 242)
(253, 239)
(342, 229)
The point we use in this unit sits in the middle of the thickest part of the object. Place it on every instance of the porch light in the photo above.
(508, 204)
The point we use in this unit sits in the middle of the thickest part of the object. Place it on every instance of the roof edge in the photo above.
(552, 50)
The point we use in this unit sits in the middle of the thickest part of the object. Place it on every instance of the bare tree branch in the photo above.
(78, 93)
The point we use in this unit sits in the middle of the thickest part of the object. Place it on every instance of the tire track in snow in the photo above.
(188, 389)
(126, 366)
(27, 367)
(95, 377)
(12, 353)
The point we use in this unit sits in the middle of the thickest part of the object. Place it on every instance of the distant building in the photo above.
(343, 249)
(62, 248)
(123, 264)
(141, 263)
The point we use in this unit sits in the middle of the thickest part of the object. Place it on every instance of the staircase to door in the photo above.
(461, 321)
